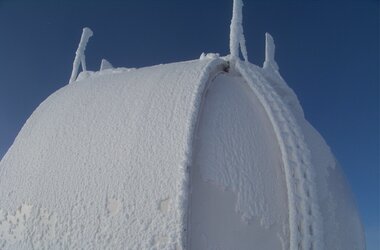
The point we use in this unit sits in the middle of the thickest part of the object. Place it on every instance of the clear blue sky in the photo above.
(328, 52)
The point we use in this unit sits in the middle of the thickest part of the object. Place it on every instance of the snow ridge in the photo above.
(212, 68)
(305, 223)
(237, 38)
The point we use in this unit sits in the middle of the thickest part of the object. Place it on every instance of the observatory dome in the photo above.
(213, 153)
(203, 154)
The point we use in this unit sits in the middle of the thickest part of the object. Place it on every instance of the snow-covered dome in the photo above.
(213, 153)
(184, 154)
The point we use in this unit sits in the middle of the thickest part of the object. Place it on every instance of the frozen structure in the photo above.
(80, 58)
(213, 153)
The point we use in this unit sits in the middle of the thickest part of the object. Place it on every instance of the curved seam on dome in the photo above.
(210, 70)
(305, 224)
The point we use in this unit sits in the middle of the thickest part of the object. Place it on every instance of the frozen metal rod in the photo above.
(79, 54)
(270, 53)
(237, 39)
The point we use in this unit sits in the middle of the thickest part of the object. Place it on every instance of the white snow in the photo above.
(213, 153)
(189, 155)
(79, 54)
(105, 65)
(299, 173)
(237, 39)
(13, 224)
(209, 56)
(108, 159)
(114, 206)
(342, 228)
(237, 160)
(270, 62)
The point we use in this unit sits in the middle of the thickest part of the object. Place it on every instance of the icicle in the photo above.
(79, 54)
(105, 65)
(270, 62)
(236, 32)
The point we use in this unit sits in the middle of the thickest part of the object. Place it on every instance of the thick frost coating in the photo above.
(232, 165)
(79, 54)
(102, 164)
(105, 65)
(237, 39)
(342, 228)
(236, 161)
(305, 221)
(111, 163)
(270, 62)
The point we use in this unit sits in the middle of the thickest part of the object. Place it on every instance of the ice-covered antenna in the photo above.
(236, 32)
(270, 62)
(79, 54)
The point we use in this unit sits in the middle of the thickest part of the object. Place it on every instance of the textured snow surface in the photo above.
(237, 160)
(305, 222)
(174, 156)
(102, 163)
(342, 228)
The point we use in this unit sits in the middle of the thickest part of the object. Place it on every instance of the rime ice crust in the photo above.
(270, 62)
(237, 161)
(80, 58)
(107, 156)
(105, 65)
(116, 160)
(237, 39)
(206, 154)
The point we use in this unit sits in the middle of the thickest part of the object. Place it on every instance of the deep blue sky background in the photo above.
(328, 52)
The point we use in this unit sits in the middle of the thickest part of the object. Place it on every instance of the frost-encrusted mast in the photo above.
(79, 54)
(304, 215)
(270, 47)
(236, 33)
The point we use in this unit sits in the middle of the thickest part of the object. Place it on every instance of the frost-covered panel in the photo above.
(342, 226)
(102, 164)
(305, 220)
(238, 189)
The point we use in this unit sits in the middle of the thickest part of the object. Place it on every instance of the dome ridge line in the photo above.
(214, 67)
(305, 223)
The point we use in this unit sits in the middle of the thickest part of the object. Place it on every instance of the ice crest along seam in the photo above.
(209, 71)
(305, 224)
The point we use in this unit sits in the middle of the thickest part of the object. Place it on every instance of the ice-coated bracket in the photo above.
(80, 58)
